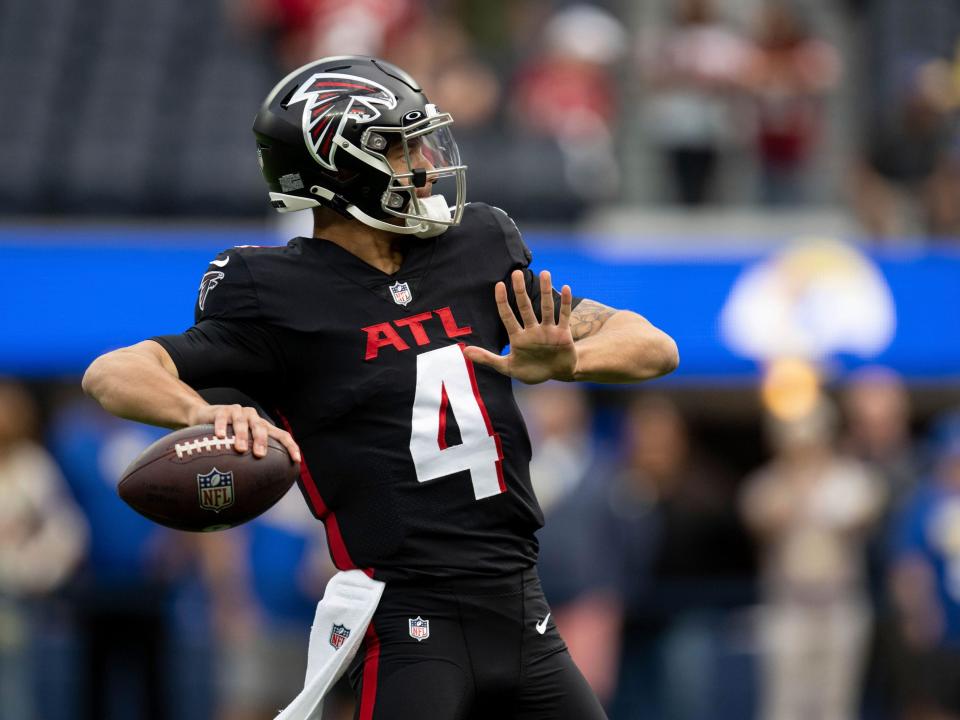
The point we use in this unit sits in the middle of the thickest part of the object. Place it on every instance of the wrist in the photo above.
(572, 376)
(578, 371)
(196, 412)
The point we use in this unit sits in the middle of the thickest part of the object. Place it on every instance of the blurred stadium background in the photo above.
(773, 532)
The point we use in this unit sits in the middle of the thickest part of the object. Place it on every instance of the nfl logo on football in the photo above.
(419, 628)
(401, 293)
(338, 636)
(216, 490)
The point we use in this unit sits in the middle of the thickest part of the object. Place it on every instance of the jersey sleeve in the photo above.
(229, 344)
(227, 290)
(226, 353)
(519, 258)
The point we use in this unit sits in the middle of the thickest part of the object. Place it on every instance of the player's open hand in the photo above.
(247, 425)
(539, 350)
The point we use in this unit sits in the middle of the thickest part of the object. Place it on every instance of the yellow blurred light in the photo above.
(790, 388)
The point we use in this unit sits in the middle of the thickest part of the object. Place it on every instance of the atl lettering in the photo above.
(384, 334)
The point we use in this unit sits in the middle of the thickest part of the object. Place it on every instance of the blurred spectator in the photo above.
(906, 182)
(566, 469)
(656, 545)
(304, 30)
(265, 579)
(925, 586)
(905, 176)
(811, 508)
(672, 527)
(694, 69)
(567, 92)
(787, 75)
(877, 409)
(564, 453)
(468, 88)
(42, 539)
(417, 50)
(124, 594)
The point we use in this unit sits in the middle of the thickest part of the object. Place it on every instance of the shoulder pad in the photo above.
(226, 289)
(516, 248)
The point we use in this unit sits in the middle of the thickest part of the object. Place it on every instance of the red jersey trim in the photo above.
(486, 419)
(442, 428)
(338, 548)
(371, 671)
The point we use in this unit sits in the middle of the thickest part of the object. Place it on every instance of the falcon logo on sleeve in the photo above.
(208, 283)
(330, 100)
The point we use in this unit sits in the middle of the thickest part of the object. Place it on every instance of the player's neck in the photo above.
(378, 248)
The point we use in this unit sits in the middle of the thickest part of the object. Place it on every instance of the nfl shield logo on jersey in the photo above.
(401, 293)
(216, 490)
(338, 636)
(419, 628)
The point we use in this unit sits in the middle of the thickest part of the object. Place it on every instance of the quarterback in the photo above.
(377, 344)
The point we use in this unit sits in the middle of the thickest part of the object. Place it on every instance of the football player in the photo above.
(377, 344)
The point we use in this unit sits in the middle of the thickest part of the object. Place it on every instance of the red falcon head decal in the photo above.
(332, 98)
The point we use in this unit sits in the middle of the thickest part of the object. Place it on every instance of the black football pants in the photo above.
(484, 656)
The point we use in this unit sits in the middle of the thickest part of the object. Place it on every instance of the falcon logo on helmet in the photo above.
(332, 99)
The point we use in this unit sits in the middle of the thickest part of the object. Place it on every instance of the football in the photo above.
(193, 480)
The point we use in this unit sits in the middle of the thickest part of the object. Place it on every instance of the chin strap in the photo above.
(436, 208)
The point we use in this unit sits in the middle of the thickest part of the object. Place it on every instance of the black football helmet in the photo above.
(323, 134)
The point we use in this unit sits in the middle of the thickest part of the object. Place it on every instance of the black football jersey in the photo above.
(415, 459)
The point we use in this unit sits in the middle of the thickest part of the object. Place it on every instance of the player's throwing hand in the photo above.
(247, 424)
(539, 350)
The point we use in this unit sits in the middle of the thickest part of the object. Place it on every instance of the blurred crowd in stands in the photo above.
(562, 108)
(806, 566)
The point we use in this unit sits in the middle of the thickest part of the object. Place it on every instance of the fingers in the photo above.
(566, 306)
(240, 428)
(249, 428)
(507, 317)
(260, 434)
(527, 315)
(261, 431)
(484, 357)
(546, 298)
(286, 439)
(222, 416)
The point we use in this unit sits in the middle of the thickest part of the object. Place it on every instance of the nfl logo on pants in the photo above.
(338, 636)
(419, 628)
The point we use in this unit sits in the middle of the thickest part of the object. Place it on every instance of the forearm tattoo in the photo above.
(588, 317)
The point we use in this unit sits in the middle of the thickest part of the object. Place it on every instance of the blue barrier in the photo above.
(67, 295)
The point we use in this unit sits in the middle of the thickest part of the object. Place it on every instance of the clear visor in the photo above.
(430, 165)
(437, 147)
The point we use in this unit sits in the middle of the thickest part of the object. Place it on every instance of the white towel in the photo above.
(341, 621)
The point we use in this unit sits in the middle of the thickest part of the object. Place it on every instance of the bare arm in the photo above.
(141, 383)
(619, 346)
(593, 343)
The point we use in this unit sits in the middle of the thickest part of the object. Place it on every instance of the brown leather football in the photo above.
(193, 480)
